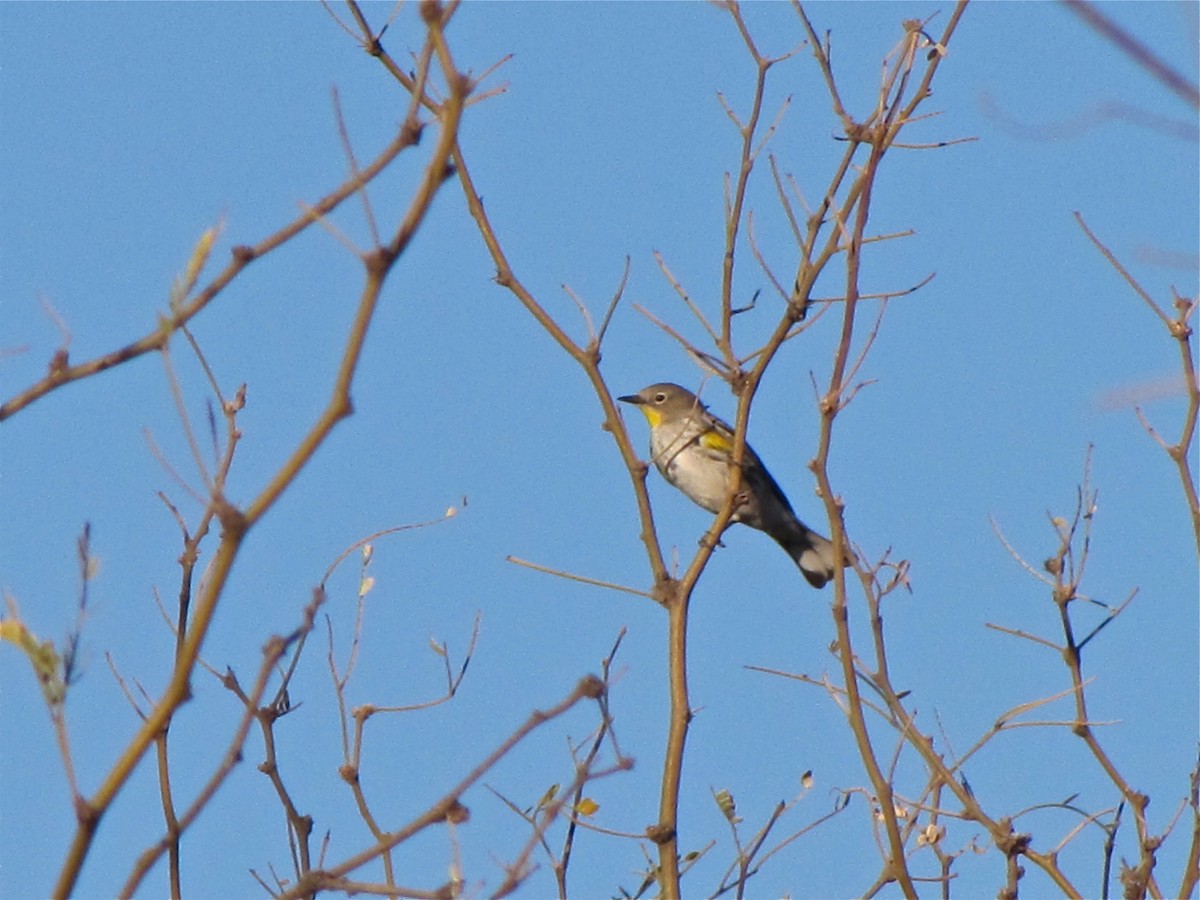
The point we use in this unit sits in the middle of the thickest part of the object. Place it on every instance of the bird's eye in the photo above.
(660, 397)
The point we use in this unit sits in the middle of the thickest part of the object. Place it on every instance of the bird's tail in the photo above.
(811, 552)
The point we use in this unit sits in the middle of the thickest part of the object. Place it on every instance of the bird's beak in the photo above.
(636, 399)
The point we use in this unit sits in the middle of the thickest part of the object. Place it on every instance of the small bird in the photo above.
(693, 450)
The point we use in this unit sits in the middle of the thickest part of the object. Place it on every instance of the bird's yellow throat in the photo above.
(653, 416)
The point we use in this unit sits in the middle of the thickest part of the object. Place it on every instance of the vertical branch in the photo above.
(736, 205)
(169, 814)
(1181, 452)
(665, 833)
(1067, 568)
(1191, 868)
(881, 131)
(830, 405)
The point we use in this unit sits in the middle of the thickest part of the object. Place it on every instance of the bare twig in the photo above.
(558, 573)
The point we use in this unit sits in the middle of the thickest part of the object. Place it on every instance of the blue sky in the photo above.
(131, 128)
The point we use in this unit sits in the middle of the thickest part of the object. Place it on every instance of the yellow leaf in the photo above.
(13, 631)
(42, 656)
(587, 807)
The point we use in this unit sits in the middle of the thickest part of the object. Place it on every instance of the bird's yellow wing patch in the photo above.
(715, 440)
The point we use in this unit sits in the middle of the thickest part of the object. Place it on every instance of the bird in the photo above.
(693, 450)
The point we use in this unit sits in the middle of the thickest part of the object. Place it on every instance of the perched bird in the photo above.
(693, 450)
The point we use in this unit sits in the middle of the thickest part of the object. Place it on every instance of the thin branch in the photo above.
(1121, 270)
(558, 573)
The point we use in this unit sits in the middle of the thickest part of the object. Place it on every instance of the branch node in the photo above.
(660, 834)
(592, 686)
